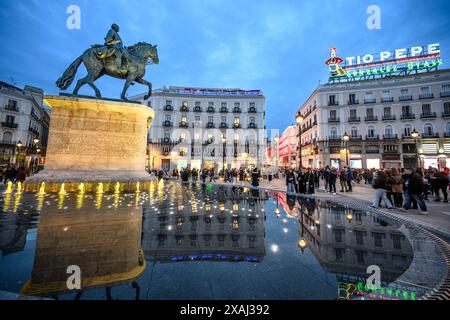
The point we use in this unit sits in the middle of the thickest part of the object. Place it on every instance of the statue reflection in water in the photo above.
(105, 245)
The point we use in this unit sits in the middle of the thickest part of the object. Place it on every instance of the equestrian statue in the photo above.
(114, 60)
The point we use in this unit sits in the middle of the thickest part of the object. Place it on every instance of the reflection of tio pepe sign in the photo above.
(381, 293)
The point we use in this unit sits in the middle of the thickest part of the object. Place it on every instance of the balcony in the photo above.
(404, 136)
(210, 125)
(354, 119)
(387, 99)
(252, 125)
(11, 108)
(352, 102)
(236, 125)
(445, 94)
(223, 110)
(446, 114)
(370, 100)
(167, 123)
(223, 125)
(237, 110)
(334, 138)
(430, 135)
(166, 141)
(183, 124)
(210, 110)
(390, 151)
(356, 138)
(426, 96)
(405, 98)
(251, 110)
(390, 136)
(168, 108)
(428, 115)
(198, 109)
(184, 109)
(34, 131)
(388, 117)
(407, 116)
(8, 143)
(372, 151)
(315, 123)
(371, 118)
(9, 124)
(333, 120)
(333, 103)
(373, 138)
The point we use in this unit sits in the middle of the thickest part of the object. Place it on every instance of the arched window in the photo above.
(407, 129)
(388, 130)
(334, 132)
(447, 128)
(7, 136)
(428, 129)
(371, 132)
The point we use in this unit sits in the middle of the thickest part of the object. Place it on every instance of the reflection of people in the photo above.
(113, 39)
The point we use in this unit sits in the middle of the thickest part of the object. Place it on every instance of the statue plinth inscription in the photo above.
(95, 140)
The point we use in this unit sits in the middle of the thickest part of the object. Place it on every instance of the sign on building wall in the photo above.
(402, 61)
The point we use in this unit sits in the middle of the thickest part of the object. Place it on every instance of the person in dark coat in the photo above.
(414, 189)
(255, 177)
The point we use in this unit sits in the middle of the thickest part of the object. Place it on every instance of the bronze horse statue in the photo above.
(99, 60)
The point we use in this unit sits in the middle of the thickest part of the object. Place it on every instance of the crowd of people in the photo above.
(13, 174)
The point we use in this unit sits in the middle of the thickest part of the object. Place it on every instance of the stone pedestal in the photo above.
(95, 140)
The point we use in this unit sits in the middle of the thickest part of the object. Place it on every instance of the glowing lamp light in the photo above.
(349, 217)
(302, 244)
(19, 144)
(345, 137)
(299, 118)
(414, 134)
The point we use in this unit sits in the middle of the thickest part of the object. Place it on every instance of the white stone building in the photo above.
(190, 124)
(23, 119)
(379, 116)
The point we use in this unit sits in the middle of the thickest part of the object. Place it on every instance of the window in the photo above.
(12, 104)
(386, 94)
(359, 235)
(446, 88)
(360, 256)
(388, 131)
(406, 110)
(354, 132)
(447, 107)
(404, 92)
(352, 98)
(338, 235)
(168, 117)
(352, 113)
(252, 104)
(339, 253)
(223, 104)
(210, 104)
(167, 134)
(197, 118)
(223, 119)
(428, 129)
(407, 130)
(7, 136)
(237, 104)
(447, 127)
(426, 109)
(378, 239)
(333, 132)
(10, 119)
(197, 103)
(387, 111)
(369, 112)
(168, 102)
(332, 100)
(369, 96)
(397, 241)
(252, 119)
(371, 132)
(333, 114)
(210, 118)
(184, 104)
(424, 90)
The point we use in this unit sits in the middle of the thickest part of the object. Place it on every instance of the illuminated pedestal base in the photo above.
(95, 140)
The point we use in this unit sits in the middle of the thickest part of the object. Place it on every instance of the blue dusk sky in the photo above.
(277, 46)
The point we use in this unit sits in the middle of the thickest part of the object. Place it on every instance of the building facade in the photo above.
(287, 147)
(379, 116)
(25, 124)
(199, 127)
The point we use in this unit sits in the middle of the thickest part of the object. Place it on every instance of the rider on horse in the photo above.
(113, 40)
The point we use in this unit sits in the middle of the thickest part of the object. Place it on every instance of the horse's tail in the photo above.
(67, 78)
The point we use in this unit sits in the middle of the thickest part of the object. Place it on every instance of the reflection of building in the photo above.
(379, 116)
(229, 229)
(105, 245)
(347, 242)
(186, 118)
(24, 119)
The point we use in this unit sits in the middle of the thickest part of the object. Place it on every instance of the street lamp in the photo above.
(345, 137)
(302, 243)
(299, 119)
(18, 145)
(36, 140)
(415, 136)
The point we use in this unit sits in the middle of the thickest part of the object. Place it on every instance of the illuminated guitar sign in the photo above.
(389, 63)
